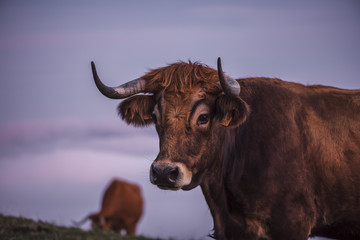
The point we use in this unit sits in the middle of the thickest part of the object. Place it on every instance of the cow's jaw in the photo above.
(169, 175)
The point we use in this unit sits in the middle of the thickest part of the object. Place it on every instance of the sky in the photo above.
(61, 141)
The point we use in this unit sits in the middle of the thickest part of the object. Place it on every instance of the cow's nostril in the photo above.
(173, 174)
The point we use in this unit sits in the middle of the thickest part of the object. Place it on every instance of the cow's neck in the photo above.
(215, 188)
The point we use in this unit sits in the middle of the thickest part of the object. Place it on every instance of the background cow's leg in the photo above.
(130, 227)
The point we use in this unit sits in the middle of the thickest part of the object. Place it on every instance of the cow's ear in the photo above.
(230, 111)
(137, 110)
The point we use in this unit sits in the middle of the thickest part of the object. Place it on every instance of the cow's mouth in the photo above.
(173, 188)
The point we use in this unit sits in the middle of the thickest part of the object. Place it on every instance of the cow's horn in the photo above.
(229, 85)
(125, 90)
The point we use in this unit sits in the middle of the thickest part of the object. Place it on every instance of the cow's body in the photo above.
(292, 167)
(279, 160)
(121, 208)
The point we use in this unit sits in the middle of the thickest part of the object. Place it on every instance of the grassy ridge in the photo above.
(17, 228)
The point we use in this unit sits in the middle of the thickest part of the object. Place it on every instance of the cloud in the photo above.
(115, 136)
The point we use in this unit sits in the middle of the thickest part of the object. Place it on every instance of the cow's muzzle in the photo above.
(167, 175)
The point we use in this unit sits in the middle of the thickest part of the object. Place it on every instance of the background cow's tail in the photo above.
(81, 222)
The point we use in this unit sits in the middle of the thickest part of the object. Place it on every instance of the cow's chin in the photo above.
(189, 187)
(186, 187)
(169, 188)
(176, 188)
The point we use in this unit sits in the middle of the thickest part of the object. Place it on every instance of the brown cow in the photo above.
(121, 208)
(279, 160)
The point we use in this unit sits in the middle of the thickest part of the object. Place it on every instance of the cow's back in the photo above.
(122, 200)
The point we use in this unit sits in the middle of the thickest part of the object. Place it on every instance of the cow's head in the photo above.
(190, 105)
(99, 222)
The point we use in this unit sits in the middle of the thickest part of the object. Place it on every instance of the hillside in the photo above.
(17, 228)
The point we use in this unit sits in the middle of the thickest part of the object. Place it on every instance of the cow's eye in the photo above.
(203, 119)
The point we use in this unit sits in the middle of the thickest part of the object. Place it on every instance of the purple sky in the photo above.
(56, 129)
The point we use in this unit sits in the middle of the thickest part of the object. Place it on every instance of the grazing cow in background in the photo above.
(278, 160)
(121, 209)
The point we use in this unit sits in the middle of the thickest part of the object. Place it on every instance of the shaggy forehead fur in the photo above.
(181, 77)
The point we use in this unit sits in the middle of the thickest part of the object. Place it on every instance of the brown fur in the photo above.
(286, 167)
(121, 208)
(181, 77)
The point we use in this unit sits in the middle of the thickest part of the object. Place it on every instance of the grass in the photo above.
(18, 228)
